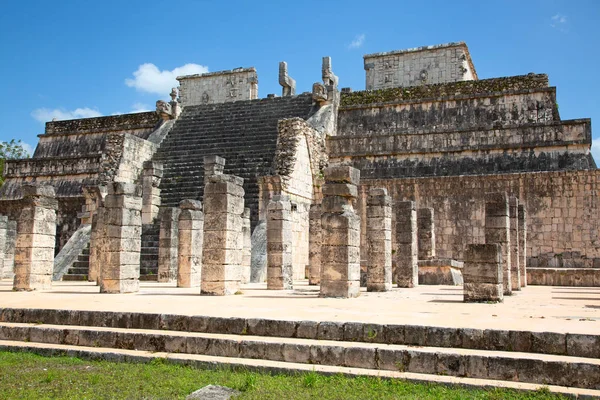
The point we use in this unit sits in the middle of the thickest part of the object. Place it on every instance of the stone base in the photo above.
(113, 286)
(222, 288)
(379, 287)
(483, 292)
(589, 277)
(343, 289)
(32, 282)
(441, 271)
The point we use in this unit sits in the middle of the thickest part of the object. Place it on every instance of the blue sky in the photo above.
(86, 58)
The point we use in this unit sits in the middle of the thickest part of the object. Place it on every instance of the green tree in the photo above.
(10, 151)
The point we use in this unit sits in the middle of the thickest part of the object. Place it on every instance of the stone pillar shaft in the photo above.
(9, 249)
(36, 239)
(483, 273)
(314, 245)
(3, 228)
(407, 268)
(497, 230)
(379, 241)
(223, 241)
(96, 238)
(168, 244)
(340, 250)
(191, 237)
(152, 175)
(426, 233)
(515, 274)
(122, 239)
(523, 244)
(279, 244)
(247, 246)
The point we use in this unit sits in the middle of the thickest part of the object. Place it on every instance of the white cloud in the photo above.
(28, 148)
(148, 78)
(596, 150)
(358, 41)
(559, 22)
(139, 107)
(46, 114)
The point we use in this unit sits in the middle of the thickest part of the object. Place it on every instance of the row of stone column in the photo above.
(497, 268)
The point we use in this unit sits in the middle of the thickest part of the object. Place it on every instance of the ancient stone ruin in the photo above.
(428, 176)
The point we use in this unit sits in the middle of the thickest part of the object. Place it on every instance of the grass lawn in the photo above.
(29, 376)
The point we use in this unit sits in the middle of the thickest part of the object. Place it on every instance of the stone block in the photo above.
(342, 174)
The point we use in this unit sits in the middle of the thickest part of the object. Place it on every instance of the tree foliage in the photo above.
(11, 151)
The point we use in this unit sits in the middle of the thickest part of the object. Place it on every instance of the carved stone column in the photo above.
(247, 248)
(483, 273)
(497, 230)
(279, 244)
(314, 244)
(120, 253)
(515, 270)
(426, 233)
(191, 240)
(523, 244)
(36, 238)
(340, 250)
(223, 241)
(3, 227)
(407, 268)
(168, 244)
(152, 175)
(379, 241)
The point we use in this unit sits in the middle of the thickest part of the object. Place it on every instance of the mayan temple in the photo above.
(315, 185)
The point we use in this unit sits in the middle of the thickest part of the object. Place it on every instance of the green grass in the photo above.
(29, 376)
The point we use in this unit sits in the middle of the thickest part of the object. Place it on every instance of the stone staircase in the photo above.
(149, 252)
(80, 268)
(242, 132)
(491, 357)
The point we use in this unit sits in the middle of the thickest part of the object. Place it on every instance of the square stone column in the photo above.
(9, 249)
(426, 233)
(94, 214)
(515, 270)
(379, 241)
(151, 177)
(191, 237)
(223, 240)
(280, 272)
(247, 247)
(97, 237)
(36, 239)
(483, 273)
(120, 252)
(314, 244)
(497, 230)
(3, 227)
(168, 244)
(407, 267)
(340, 249)
(523, 244)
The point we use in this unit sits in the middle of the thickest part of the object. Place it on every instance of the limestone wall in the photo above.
(563, 209)
(423, 65)
(451, 112)
(218, 87)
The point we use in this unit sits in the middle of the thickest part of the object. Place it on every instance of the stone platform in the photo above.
(589, 277)
(440, 271)
(537, 308)
(540, 336)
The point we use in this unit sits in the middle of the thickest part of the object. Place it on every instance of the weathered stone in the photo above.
(279, 244)
(407, 269)
(190, 245)
(213, 392)
(35, 239)
(497, 230)
(426, 233)
(379, 248)
(482, 273)
(515, 258)
(523, 244)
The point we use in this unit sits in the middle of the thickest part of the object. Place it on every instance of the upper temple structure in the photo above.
(282, 186)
